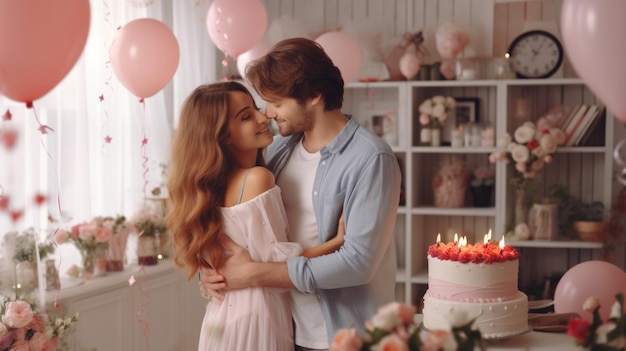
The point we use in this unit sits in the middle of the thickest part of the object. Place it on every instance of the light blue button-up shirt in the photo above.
(359, 174)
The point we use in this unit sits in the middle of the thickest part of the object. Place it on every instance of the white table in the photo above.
(531, 341)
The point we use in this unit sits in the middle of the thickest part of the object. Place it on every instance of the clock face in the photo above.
(536, 54)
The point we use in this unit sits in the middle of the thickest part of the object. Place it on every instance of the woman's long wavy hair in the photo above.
(199, 170)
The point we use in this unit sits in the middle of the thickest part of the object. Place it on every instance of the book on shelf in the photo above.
(568, 117)
(584, 124)
(594, 135)
(574, 122)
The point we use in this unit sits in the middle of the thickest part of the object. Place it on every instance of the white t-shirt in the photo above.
(296, 184)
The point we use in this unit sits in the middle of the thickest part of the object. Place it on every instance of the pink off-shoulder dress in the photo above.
(256, 319)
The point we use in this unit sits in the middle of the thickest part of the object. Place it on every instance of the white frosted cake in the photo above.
(479, 281)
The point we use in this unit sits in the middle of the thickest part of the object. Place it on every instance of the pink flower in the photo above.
(347, 339)
(21, 345)
(521, 167)
(87, 231)
(591, 304)
(38, 341)
(392, 342)
(61, 236)
(424, 119)
(438, 340)
(548, 143)
(38, 323)
(558, 135)
(18, 314)
(391, 315)
(520, 153)
(103, 235)
(524, 134)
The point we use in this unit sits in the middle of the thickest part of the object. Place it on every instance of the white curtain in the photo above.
(80, 173)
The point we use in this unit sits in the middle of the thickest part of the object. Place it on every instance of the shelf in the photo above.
(581, 149)
(461, 211)
(420, 277)
(546, 244)
(452, 150)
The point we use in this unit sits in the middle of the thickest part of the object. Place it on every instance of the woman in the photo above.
(218, 184)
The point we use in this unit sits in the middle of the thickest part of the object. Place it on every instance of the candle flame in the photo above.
(463, 241)
(438, 238)
(502, 243)
(456, 237)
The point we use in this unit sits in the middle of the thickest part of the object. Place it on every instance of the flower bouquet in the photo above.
(150, 224)
(92, 240)
(22, 328)
(598, 335)
(21, 248)
(529, 150)
(433, 114)
(393, 328)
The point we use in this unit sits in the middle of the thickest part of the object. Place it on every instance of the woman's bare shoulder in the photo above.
(260, 180)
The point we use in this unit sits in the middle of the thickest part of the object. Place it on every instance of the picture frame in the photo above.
(380, 117)
(467, 110)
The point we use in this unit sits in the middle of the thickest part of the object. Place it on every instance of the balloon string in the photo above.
(58, 196)
(108, 75)
(144, 142)
(142, 311)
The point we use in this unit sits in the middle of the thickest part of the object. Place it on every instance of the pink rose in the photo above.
(38, 341)
(388, 317)
(346, 339)
(21, 345)
(392, 342)
(520, 167)
(3, 329)
(524, 134)
(438, 340)
(558, 135)
(87, 231)
(61, 236)
(520, 153)
(103, 235)
(548, 143)
(424, 119)
(406, 312)
(18, 314)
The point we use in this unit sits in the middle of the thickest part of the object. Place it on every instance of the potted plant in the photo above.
(588, 221)
(578, 219)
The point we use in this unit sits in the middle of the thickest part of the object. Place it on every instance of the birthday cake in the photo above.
(476, 281)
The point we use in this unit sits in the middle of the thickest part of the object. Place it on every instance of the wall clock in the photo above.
(535, 54)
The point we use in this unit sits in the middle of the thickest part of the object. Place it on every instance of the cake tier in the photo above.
(472, 282)
(494, 319)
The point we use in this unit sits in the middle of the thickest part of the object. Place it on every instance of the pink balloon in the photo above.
(256, 52)
(144, 56)
(592, 34)
(40, 42)
(344, 51)
(236, 26)
(591, 278)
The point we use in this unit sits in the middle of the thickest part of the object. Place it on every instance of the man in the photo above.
(324, 163)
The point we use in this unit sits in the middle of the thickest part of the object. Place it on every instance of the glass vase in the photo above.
(94, 261)
(147, 250)
(522, 205)
(435, 136)
(116, 252)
